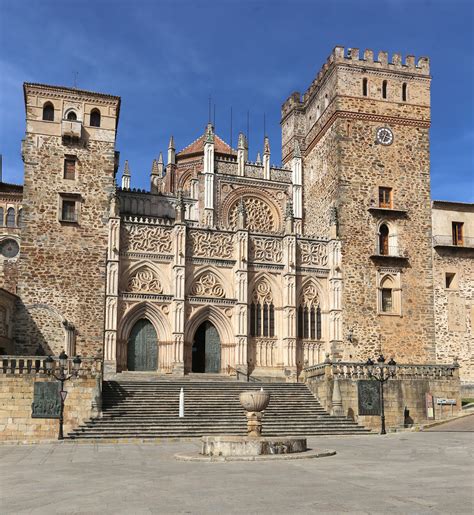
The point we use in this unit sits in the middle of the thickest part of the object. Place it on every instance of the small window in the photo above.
(387, 300)
(450, 281)
(2, 217)
(70, 169)
(68, 210)
(10, 217)
(71, 116)
(383, 240)
(318, 112)
(365, 83)
(385, 197)
(95, 118)
(404, 92)
(326, 100)
(384, 89)
(458, 230)
(48, 112)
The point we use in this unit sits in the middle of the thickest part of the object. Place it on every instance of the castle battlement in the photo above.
(352, 56)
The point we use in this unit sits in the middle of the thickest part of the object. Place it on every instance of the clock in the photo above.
(384, 136)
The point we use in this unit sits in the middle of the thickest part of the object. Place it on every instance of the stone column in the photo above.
(296, 179)
(335, 293)
(289, 351)
(208, 172)
(178, 303)
(241, 290)
(111, 353)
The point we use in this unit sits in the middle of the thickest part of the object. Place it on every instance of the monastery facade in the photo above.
(227, 263)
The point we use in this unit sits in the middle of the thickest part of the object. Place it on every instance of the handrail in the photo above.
(247, 375)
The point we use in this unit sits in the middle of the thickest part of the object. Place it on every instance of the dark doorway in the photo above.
(142, 351)
(206, 354)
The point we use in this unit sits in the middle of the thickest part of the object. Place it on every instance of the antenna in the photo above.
(264, 126)
(231, 129)
(248, 127)
(214, 122)
(76, 74)
(209, 108)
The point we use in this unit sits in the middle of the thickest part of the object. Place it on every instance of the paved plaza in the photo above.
(430, 472)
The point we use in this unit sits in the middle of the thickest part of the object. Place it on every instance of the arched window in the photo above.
(326, 100)
(309, 314)
(2, 217)
(318, 112)
(95, 118)
(365, 83)
(404, 92)
(48, 112)
(384, 89)
(19, 218)
(383, 240)
(71, 116)
(10, 217)
(262, 311)
(386, 295)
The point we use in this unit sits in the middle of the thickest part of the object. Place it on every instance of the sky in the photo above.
(165, 58)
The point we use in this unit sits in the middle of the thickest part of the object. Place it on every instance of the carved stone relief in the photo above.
(260, 216)
(266, 250)
(211, 245)
(207, 285)
(313, 254)
(145, 280)
(142, 238)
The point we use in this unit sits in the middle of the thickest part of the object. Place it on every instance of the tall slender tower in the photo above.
(70, 165)
(363, 128)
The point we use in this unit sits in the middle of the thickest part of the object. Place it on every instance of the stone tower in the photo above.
(363, 129)
(70, 165)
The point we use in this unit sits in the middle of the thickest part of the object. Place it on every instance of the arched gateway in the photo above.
(206, 350)
(142, 350)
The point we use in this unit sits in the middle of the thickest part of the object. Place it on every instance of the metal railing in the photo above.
(245, 375)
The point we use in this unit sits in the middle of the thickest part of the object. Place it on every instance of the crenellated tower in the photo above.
(363, 130)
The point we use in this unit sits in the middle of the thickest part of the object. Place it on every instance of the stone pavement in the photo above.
(405, 473)
(465, 423)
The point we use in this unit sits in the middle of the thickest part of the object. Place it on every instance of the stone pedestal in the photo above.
(250, 446)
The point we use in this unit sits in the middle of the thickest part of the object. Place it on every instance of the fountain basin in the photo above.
(251, 446)
(254, 400)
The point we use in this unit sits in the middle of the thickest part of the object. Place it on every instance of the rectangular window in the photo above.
(68, 211)
(450, 280)
(385, 197)
(70, 168)
(458, 237)
(387, 304)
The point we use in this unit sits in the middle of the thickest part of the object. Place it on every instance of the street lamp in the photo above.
(62, 376)
(381, 372)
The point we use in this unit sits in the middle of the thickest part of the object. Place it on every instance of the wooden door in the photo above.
(213, 349)
(142, 352)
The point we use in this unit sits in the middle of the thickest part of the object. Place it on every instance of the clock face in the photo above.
(384, 136)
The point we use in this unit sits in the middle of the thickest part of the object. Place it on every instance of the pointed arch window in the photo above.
(71, 116)
(19, 218)
(384, 235)
(309, 314)
(95, 118)
(384, 89)
(386, 295)
(48, 112)
(262, 311)
(10, 217)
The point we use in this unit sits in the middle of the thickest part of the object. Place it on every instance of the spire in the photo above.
(126, 177)
(155, 177)
(296, 150)
(160, 165)
(259, 158)
(266, 158)
(289, 218)
(180, 207)
(241, 157)
(171, 152)
(209, 133)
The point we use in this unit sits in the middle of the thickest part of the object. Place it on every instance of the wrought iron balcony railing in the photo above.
(448, 241)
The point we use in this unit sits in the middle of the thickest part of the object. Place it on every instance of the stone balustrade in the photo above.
(36, 365)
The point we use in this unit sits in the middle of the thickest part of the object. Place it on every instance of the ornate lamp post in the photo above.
(381, 372)
(62, 376)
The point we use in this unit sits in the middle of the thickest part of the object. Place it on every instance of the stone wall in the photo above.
(405, 392)
(16, 396)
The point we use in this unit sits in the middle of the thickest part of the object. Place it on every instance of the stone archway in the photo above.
(142, 347)
(206, 349)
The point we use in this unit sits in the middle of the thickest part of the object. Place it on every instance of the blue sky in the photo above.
(164, 58)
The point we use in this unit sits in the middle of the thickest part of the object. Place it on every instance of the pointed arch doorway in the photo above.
(206, 350)
(142, 349)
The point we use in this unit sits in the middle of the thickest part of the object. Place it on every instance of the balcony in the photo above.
(71, 129)
(466, 245)
(386, 210)
(390, 252)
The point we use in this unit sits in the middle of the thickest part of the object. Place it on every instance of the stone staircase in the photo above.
(149, 409)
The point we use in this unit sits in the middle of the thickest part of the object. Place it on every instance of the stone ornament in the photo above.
(310, 295)
(262, 292)
(260, 217)
(266, 250)
(145, 280)
(313, 254)
(207, 285)
(211, 245)
(142, 238)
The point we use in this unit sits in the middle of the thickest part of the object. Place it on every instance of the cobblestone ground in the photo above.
(410, 473)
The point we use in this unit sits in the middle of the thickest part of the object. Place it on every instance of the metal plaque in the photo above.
(46, 400)
(369, 397)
